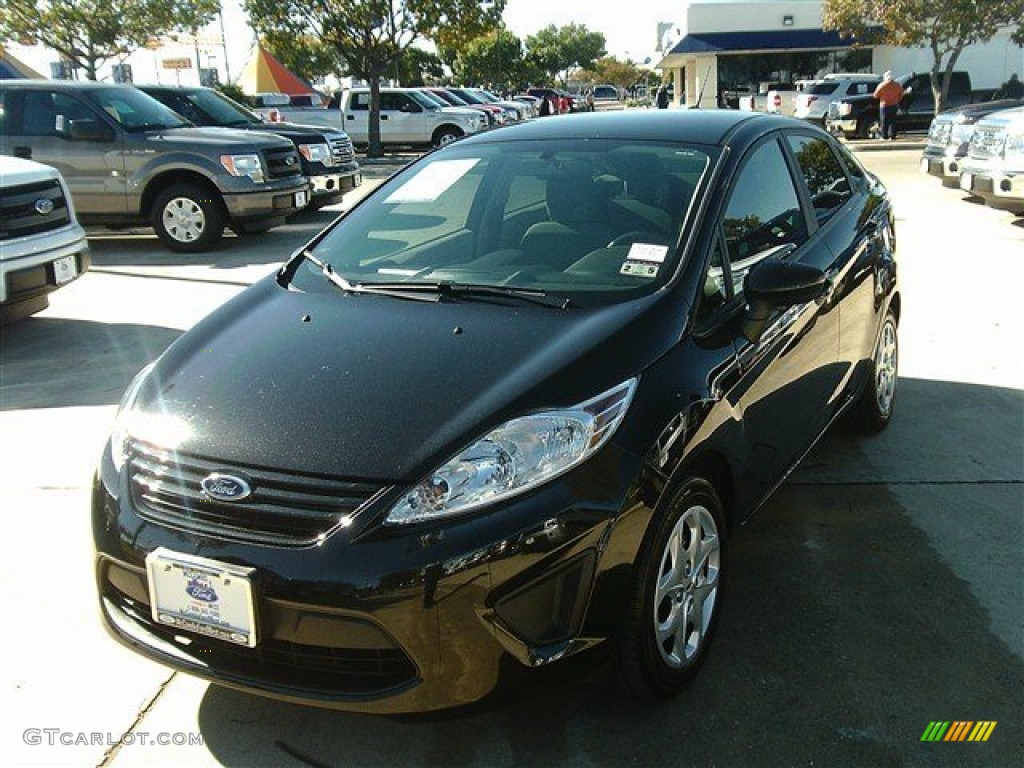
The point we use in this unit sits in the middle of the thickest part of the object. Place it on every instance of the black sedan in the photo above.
(506, 409)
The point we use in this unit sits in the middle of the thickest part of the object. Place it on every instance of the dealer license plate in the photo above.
(301, 198)
(64, 269)
(200, 595)
(966, 181)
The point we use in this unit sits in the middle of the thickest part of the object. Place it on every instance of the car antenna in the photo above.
(700, 93)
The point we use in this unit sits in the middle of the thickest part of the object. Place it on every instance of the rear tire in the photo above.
(873, 411)
(188, 218)
(446, 136)
(674, 600)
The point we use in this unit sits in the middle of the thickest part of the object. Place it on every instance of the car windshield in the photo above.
(220, 110)
(469, 96)
(421, 98)
(594, 222)
(135, 110)
(451, 98)
(434, 99)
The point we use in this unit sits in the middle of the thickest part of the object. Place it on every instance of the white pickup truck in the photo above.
(303, 109)
(42, 245)
(407, 117)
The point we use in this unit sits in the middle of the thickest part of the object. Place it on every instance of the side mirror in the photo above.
(89, 130)
(775, 283)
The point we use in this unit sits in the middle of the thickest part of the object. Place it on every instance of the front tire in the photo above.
(446, 136)
(675, 597)
(188, 218)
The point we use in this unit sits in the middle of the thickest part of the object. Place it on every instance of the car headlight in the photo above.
(516, 457)
(845, 108)
(1013, 149)
(317, 153)
(243, 165)
(961, 133)
(119, 433)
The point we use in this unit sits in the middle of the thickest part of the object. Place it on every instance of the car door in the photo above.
(62, 130)
(790, 370)
(408, 119)
(357, 116)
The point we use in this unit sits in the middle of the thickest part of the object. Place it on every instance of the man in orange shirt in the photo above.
(889, 94)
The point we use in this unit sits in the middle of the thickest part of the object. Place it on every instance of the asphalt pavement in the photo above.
(881, 589)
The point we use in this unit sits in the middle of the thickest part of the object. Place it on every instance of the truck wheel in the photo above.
(188, 218)
(869, 128)
(446, 136)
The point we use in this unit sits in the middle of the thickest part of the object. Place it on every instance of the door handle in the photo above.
(25, 153)
(383, 117)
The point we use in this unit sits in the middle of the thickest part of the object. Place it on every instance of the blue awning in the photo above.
(774, 40)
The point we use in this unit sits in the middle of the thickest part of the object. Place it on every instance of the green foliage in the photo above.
(370, 37)
(946, 27)
(235, 93)
(495, 58)
(556, 50)
(91, 32)
(416, 65)
(608, 69)
(304, 55)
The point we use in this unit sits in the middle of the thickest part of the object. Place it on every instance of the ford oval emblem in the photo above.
(225, 487)
(43, 206)
(197, 590)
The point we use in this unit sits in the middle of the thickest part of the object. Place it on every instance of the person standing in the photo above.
(662, 97)
(889, 94)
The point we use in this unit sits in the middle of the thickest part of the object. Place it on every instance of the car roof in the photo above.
(697, 126)
(64, 85)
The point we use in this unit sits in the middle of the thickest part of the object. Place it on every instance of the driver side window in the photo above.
(763, 211)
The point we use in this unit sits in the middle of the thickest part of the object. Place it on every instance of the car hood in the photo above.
(970, 113)
(218, 138)
(369, 387)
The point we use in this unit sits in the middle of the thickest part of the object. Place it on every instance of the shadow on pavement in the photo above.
(54, 362)
(847, 627)
(119, 249)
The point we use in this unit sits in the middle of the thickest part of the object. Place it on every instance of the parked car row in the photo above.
(129, 158)
(980, 149)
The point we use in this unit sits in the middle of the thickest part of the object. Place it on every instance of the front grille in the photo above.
(284, 508)
(282, 163)
(986, 143)
(342, 150)
(20, 209)
(329, 670)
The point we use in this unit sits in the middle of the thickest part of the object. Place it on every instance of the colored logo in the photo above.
(959, 730)
(43, 206)
(225, 487)
(199, 590)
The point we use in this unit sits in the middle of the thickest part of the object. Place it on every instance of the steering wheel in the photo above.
(638, 235)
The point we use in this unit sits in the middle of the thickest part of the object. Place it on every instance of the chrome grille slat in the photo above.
(342, 150)
(18, 216)
(283, 508)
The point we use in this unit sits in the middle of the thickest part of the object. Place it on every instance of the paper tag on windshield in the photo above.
(639, 268)
(647, 252)
(432, 182)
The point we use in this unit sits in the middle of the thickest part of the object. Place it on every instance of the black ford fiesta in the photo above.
(506, 409)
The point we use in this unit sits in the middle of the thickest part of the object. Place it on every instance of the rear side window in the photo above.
(822, 89)
(823, 174)
(359, 101)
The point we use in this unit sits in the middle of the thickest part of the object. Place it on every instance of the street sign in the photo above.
(183, 63)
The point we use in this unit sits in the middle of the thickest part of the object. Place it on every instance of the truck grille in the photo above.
(28, 209)
(282, 163)
(342, 150)
(987, 143)
(284, 508)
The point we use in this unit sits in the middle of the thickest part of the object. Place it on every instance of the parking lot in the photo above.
(881, 589)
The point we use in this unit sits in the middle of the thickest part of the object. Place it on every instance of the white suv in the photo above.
(42, 246)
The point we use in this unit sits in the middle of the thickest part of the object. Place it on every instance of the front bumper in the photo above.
(273, 200)
(329, 186)
(945, 167)
(394, 619)
(1003, 190)
(29, 268)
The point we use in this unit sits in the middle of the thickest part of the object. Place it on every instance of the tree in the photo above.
(495, 58)
(369, 36)
(90, 32)
(556, 50)
(944, 26)
(621, 74)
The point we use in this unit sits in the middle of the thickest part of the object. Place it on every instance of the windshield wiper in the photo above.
(337, 280)
(454, 290)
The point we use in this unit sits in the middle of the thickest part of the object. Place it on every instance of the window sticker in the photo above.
(636, 268)
(647, 252)
(432, 182)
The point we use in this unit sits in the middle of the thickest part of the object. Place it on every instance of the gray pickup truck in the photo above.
(128, 159)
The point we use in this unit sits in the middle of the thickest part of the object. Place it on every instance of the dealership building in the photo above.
(717, 46)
